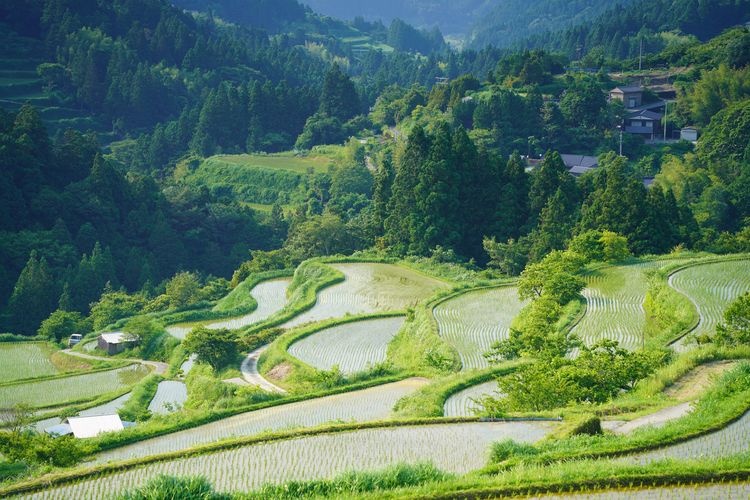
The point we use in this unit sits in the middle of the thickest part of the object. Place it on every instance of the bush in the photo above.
(183, 290)
(115, 305)
(169, 487)
(40, 449)
(589, 425)
(735, 329)
(218, 348)
(504, 450)
(62, 324)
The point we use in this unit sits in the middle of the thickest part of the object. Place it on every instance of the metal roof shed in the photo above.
(86, 427)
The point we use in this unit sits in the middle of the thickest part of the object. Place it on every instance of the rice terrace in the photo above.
(417, 249)
(349, 394)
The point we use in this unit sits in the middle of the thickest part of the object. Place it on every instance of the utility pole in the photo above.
(620, 127)
(666, 106)
(640, 55)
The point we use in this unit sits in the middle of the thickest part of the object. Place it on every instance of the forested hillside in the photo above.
(427, 171)
(454, 18)
(509, 22)
(623, 30)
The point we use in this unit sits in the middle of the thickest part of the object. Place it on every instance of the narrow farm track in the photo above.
(656, 419)
(711, 288)
(158, 367)
(369, 288)
(456, 448)
(463, 403)
(375, 403)
(252, 376)
(270, 296)
(353, 347)
(614, 304)
(473, 321)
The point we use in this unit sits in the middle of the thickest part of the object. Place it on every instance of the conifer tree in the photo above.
(34, 296)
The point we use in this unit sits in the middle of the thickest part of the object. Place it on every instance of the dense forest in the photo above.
(512, 21)
(624, 30)
(432, 167)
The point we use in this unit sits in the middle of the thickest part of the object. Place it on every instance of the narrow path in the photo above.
(158, 367)
(656, 419)
(251, 375)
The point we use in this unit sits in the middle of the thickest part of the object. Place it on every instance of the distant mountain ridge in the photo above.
(452, 17)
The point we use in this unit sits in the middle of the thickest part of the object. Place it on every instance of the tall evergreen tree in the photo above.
(546, 179)
(34, 296)
(339, 98)
(401, 226)
(437, 203)
(512, 207)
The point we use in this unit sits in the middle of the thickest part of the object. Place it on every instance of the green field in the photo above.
(74, 388)
(283, 161)
(614, 304)
(712, 287)
(369, 288)
(369, 404)
(21, 360)
(473, 321)
(353, 347)
(457, 448)
(270, 296)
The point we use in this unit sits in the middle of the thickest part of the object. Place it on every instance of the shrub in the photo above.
(63, 324)
(218, 348)
(169, 487)
(183, 290)
(735, 329)
(503, 450)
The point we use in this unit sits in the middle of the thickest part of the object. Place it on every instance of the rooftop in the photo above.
(116, 337)
(579, 161)
(86, 427)
(628, 89)
(645, 115)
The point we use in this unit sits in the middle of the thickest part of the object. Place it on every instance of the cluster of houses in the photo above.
(646, 118)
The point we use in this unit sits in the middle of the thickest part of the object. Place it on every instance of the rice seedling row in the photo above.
(731, 440)
(464, 403)
(74, 388)
(353, 347)
(270, 296)
(457, 448)
(369, 288)
(614, 310)
(695, 492)
(473, 321)
(21, 360)
(375, 403)
(711, 287)
(170, 396)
